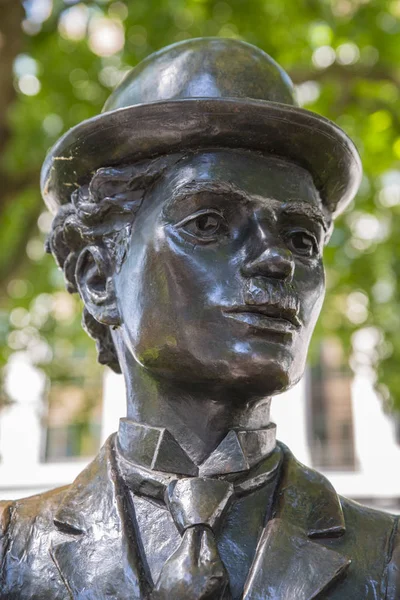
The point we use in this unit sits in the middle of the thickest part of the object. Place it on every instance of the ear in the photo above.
(93, 275)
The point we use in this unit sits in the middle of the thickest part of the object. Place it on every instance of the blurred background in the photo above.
(59, 60)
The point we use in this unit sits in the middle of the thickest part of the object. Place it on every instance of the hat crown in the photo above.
(205, 93)
(204, 68)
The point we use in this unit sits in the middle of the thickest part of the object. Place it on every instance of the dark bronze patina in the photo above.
(191, 218)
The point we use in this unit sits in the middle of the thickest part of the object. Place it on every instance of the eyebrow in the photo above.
(307, 210)
(219, 188)
(223, 188)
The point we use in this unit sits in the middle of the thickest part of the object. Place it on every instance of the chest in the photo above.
(237, 540)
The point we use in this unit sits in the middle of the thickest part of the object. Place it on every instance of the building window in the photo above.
(73, 423)
(330, 410)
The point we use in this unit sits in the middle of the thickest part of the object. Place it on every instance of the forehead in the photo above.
(258, 176)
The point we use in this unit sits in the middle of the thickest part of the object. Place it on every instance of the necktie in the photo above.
(195, 570)
(177, 581)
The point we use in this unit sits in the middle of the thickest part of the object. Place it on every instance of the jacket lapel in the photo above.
(289, 562)
(94, 547)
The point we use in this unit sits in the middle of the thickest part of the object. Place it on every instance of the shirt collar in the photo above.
(156, 449)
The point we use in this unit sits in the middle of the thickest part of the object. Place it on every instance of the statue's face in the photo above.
(223, 280)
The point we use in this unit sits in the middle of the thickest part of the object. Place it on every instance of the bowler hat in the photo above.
(205, 93)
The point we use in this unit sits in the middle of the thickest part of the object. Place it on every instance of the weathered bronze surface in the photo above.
(191, 218)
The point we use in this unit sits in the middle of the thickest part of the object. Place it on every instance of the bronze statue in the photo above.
(191, 218)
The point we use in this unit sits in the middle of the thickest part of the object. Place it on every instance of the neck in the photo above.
(197, 415)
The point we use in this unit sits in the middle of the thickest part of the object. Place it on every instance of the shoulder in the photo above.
(371, 530)
(319, 501)
(39, 511)
(38, 508)
(31, 527)
(393, 587)
(369, 538)
(25, 536)
(373, 541)
(364, 519)
(18, 518)
(5, 516)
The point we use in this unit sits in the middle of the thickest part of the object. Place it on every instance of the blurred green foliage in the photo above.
(344, 57)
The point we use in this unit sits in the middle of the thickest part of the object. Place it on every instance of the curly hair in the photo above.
(101, 213)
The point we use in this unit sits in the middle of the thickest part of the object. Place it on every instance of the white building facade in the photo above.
(371, 476)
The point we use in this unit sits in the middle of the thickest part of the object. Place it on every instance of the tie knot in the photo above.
(198, 501)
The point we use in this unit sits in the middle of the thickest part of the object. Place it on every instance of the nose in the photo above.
(276, 262)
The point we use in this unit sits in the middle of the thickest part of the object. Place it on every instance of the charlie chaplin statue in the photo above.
(191, 217)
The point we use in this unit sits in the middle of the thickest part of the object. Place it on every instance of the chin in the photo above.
(262, 371)
(266, 378)
(257, 366)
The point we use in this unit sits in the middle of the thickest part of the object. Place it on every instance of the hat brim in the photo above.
(145, 130)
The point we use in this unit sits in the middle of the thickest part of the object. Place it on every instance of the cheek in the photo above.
(159, 288)
(196, 277)
(312, 290)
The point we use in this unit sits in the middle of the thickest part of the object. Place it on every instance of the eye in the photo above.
(302, 243)
(206, 225)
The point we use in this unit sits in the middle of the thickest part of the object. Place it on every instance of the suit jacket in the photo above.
(79, 542)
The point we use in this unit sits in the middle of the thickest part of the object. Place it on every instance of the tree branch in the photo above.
(11, 36)
(346, 73)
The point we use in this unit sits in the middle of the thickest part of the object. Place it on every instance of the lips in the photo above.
(268, 317)
(269, 305)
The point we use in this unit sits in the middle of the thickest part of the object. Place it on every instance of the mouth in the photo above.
(269, 318)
